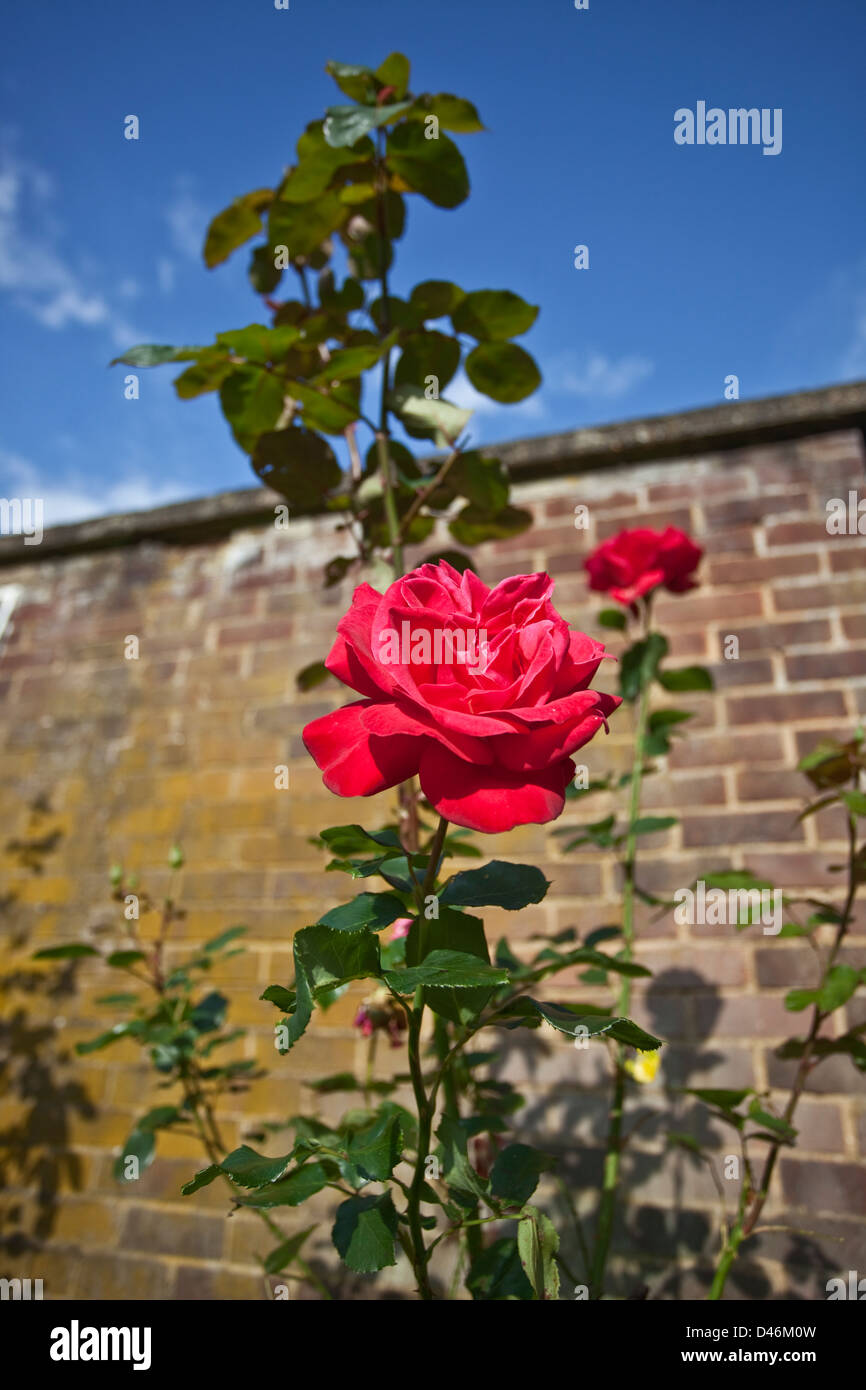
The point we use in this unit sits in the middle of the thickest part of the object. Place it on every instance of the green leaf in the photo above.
(210, 1013)
(664, 718)
(502, 371)
(454, 969)
(612, 617)
(493, 315)
(141, 1145)
(798, 999)
(346, 125)
(207, 374)
(837, 987)
(154, 354)
(375, 1150)
(855, 801)
(121, 960)
(462, 1181)
(433, 168)
(345, 840)
(279, 995)
(311, 676)
(649, 825)
(364, 1233)
(723, 1099)
(346, 363)
(233, 226)
(262, 273)
(71, 951)
(120, 1030)
(159, 1117)
(778, 1127)
(480, 480)
(433, 299)
(394, 72)
(497, 1273)
(252, 402)
(686, 678)
(425, 354)
(326, 956)
(498, 884)
(297, 463)
(516, 1172)
(473, 524)
(329, 409)
(453, 113)
(373, 910)
(250, 1169)
(638, 665)
(451, 931)
(538, 1244)
(284, 1254)
(302, 227)
(359, 83)
(258, 342)
(569, 1020)
(436, 419)
(318, 163)
(217, 943)
(298, 1187)
(203, 1178)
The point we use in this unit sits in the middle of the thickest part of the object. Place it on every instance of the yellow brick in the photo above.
(86, 1223)
(41, 889)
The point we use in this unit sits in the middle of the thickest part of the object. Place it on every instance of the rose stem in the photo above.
(613, 1150)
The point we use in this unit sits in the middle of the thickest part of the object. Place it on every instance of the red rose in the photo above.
(632, 563)
(481, 692)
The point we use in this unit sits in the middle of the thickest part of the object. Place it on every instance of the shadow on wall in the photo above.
(674, 1241)
(34, 1145)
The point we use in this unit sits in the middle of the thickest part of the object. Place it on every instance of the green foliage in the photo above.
(287, 384)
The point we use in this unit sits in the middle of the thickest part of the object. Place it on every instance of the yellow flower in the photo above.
(644, 1067)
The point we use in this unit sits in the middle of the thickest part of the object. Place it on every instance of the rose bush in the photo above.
(491, 742)
(633, 563)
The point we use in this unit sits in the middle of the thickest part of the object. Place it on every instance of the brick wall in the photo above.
(107, 759)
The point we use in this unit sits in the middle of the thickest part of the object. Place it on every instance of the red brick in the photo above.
(824, 1186)
(854, 626)
(780, 636)
(755, 510)
(775, 708)
(731, 829)
(761, 569)
(804, 597)
(722, 750)
(708, 608)
(773, 784)
(822, 666)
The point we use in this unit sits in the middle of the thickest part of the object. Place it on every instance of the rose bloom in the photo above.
(490, 737)
(632, 563)
(380, 1013)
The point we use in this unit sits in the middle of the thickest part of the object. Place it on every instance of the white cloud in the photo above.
(187, 219)
(33, 271)
(461, 392)
(166, 272)
(78, 498)
(596, 376)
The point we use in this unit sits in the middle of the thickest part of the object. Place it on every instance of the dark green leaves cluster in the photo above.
(289, 387)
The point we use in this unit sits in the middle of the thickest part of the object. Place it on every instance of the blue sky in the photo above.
(704, 261)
